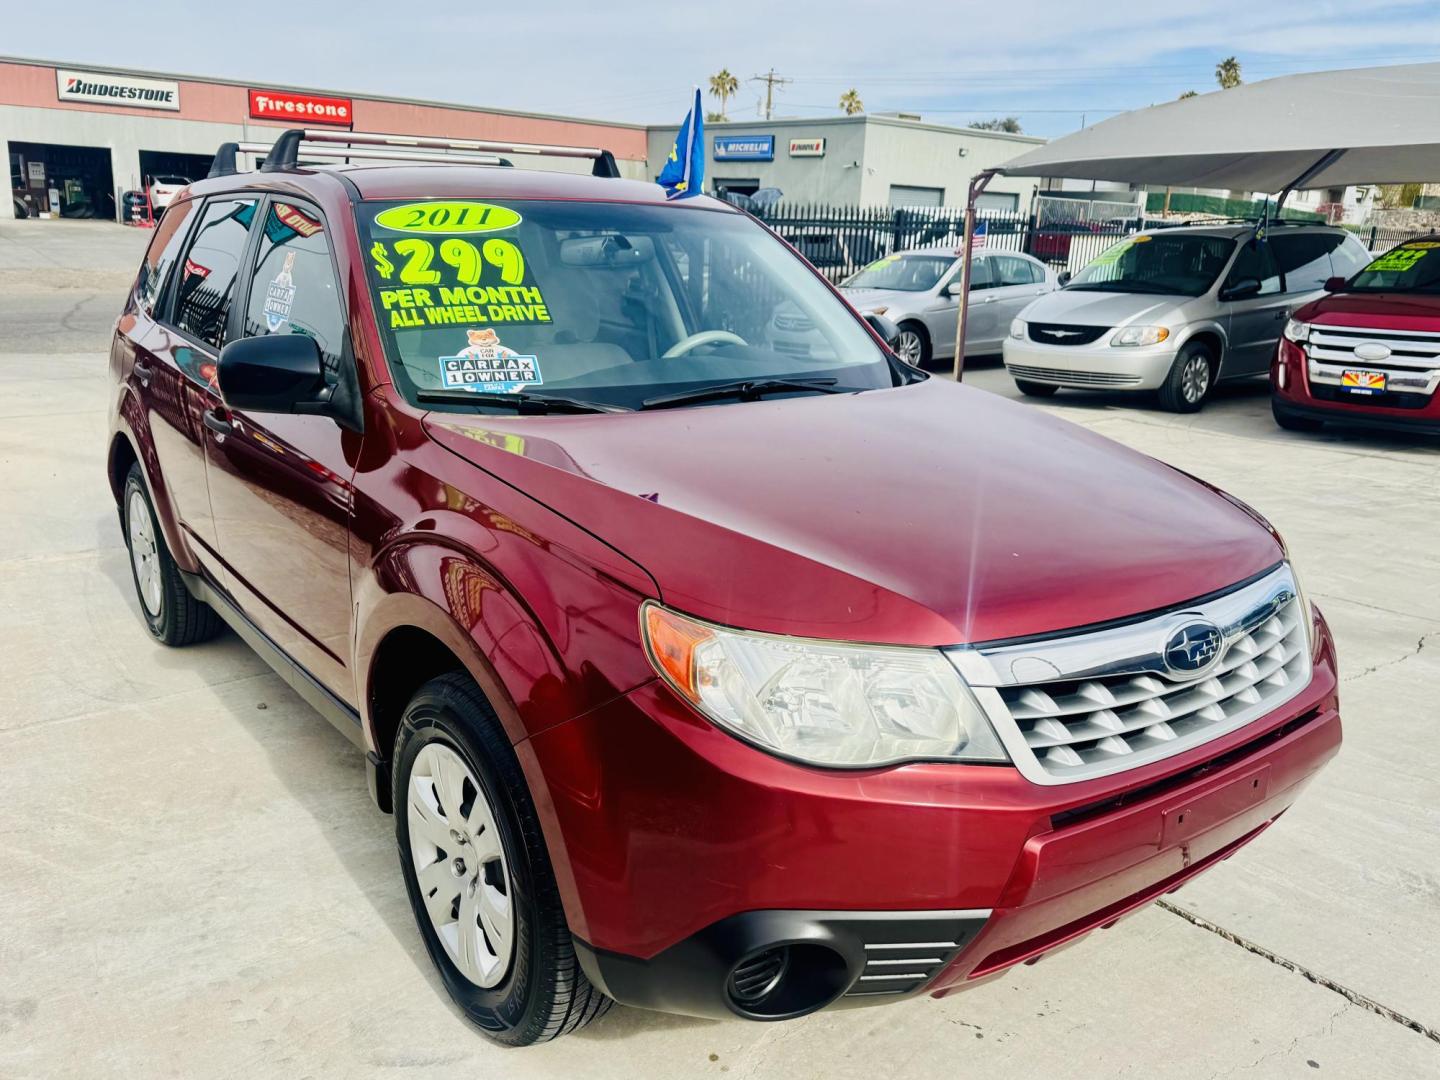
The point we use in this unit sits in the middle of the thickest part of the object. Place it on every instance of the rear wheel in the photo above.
(477, 871)
(1191, 378)
(913, 344)
(1035, 389)
(172, 614)
(1290, 422)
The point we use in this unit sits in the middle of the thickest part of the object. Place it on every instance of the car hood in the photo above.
(929, 514)
(1085, 307)
(1376, 310)
(861, 299)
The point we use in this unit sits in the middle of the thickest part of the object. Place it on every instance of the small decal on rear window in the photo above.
(485, 365)
(280, 295)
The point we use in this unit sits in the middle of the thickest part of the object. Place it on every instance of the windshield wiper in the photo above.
(743, 389)
(521, 401)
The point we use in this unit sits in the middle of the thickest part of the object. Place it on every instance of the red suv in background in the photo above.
(700, 674)
(1369, 352)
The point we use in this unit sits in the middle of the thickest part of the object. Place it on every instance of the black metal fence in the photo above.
(839, 240)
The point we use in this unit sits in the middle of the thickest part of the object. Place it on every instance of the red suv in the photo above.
(1368, 353)
(700, 674)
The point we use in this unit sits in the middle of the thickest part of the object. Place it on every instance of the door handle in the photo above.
(142, 372)
(220, 424)
(988, 300)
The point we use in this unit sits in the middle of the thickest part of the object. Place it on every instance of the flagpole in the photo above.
(962, 310)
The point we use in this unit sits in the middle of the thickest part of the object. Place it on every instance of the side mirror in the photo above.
(1064, 278)
(281, 373)
(1241, 290)
(888, 331)
(1334, 284)
(953, 289)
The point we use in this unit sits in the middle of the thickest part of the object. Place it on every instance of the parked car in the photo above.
(163, 189)
(1176, 310)
(919, 291)
(1369, 352)
(682, 691)
(834, 252)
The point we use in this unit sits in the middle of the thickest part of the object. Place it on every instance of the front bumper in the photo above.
(684, 855)
(1097, 366)
(1298, 390)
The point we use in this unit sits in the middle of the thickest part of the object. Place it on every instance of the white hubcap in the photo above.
(460, 865)
(143, 554)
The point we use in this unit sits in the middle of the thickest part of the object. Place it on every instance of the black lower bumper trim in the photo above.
(844, 957)
(1398, 421)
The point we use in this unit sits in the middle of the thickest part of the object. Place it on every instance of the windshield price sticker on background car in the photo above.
(487, 366)
(1405, 256)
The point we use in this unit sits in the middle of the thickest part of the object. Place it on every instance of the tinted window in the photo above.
(1412, 267)
(294, 290)
(1184, 264)
(1304, 258)
(1256, 261)
(981, 274)
(207, 280)
(1013, 271)
(1348, 258)
(164, 249)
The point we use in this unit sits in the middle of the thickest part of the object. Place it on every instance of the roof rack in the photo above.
(285, 153)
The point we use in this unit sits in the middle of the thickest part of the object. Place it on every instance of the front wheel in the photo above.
(1191, 378)
(912, 344)
(478, 874)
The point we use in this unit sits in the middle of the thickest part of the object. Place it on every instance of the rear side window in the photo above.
(1304, 258)
(1014, 271)
(294, 290)
(212, 262)
(1257, 261)
(981, 276)
(163, 251)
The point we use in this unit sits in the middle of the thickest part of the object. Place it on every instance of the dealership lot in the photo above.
(196, 882)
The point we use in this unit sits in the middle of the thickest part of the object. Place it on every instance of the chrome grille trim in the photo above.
(1413, 366)
(1072, 378)
(1078, 706)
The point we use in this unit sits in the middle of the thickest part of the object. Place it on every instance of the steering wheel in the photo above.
(704, 337)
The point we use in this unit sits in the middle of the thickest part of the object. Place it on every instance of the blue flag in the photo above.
(684, 170)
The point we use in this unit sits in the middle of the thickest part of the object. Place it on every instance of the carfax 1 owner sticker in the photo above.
(485, 364)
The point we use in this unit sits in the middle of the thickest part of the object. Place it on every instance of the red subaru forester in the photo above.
(711, 659)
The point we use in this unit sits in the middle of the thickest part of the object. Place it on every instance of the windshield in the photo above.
(903, 273)
(1412, 267)
(171, 180)
(605, 302)
(1186, 264)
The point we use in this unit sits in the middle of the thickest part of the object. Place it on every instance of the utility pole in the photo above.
(771, 80)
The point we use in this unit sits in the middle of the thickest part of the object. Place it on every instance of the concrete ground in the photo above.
(194, 882)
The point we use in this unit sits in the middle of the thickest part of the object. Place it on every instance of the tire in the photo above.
(21, 210)
(913, 344)
(529, 989)
(172, 614)
(1035, 389)
(1290, 422)
(1191, 378)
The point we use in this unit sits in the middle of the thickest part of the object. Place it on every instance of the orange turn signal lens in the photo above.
(671, 640)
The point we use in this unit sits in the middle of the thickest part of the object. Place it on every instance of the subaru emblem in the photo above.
(1194, 649)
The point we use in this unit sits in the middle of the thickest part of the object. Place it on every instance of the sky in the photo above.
(1054, 64)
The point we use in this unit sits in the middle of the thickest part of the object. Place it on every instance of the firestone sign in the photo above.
(92, 87)
(313, 108)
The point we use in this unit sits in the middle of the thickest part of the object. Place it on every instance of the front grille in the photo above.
(1065, 334)
(791, 348)
(798, 324)
(1072, 378)
(1073, 707)
(1412, 368)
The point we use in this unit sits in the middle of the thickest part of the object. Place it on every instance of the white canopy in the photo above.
(1264, 136)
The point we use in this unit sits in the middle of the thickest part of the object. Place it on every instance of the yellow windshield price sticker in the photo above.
(461, 262)
(1399, 260)
(1110, 256)
(453, 282)
(447, 217)
(1421, 245)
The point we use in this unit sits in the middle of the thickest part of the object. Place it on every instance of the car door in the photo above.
(982, 321)
(175, 351)
(1021, 281)
(939, 314)
(1253, 322)
(281, 484)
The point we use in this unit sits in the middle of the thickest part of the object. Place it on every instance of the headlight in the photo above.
(877, 310)
(821, 702)
(1307, 615)
(1017, 329)
(1140, 335)
(1298, 332)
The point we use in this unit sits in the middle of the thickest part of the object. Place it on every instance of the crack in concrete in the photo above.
(1410, 655)
(1353, 996)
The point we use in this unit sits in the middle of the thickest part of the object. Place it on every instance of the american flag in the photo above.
(981, 229)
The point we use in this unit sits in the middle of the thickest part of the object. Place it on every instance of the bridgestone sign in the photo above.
(88, 86)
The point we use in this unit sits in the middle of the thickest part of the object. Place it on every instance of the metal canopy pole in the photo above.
(978, 184)
(1326, 160)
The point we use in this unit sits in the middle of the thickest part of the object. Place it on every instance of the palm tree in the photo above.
(723, 85)
(1187, 94)
(850, 102)
(1227, 73)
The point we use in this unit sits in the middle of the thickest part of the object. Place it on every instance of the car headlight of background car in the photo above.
(1140, 335)
(821, 702)
(1017, 329)
(1298, 332)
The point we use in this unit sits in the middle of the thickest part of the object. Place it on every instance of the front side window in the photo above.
(1413, 267)
(161, 255)
(1255, 262)
(902, 273)
(294, 290)
(1304, 258)
(612, 303)
(1183, 264)
(212, 263)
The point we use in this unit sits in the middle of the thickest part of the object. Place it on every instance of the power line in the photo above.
(771, 80)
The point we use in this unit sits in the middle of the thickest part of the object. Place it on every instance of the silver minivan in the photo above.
(1176, 310)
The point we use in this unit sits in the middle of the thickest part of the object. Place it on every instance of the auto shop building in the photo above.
(78, 136)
